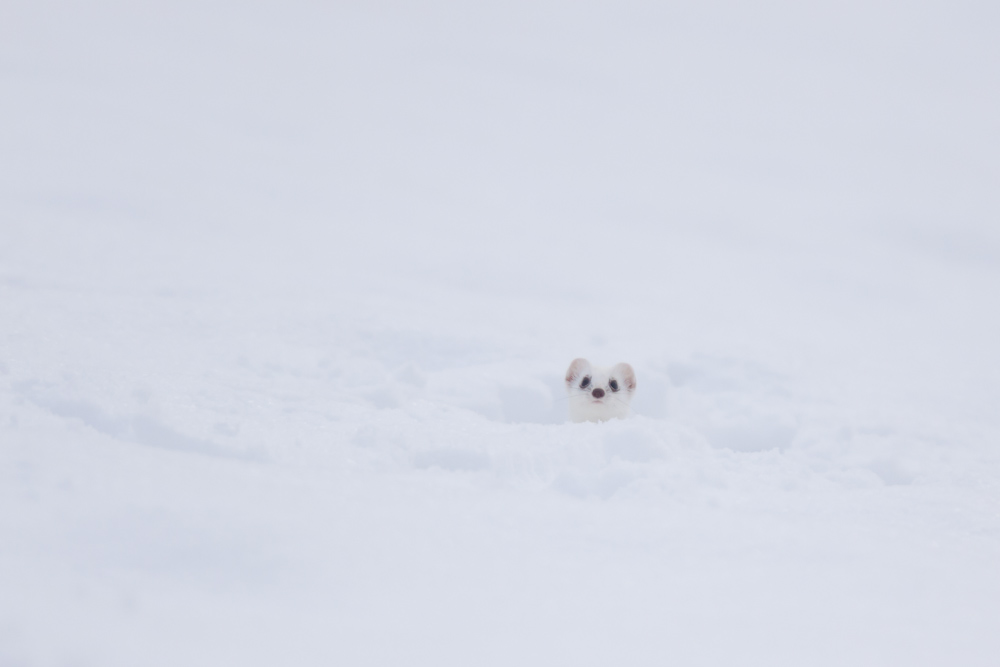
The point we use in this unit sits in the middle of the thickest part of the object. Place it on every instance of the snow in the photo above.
(287, 292)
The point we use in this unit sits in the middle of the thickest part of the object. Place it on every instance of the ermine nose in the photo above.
(597, 393)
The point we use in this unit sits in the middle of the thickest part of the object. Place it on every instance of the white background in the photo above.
(287, 291)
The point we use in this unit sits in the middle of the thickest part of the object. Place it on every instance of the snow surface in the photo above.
(287, 291)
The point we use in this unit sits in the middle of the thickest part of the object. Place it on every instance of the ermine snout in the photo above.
(599, 393)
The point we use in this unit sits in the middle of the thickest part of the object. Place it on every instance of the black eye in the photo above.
(614, 385)
(585, 383)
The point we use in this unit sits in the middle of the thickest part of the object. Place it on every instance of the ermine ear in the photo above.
(576, 370)
(625, 373)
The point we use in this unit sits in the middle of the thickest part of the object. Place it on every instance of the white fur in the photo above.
(585, 383)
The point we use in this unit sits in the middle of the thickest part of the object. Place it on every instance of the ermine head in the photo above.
(597, 393)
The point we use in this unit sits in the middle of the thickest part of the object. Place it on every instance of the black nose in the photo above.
(597, 393)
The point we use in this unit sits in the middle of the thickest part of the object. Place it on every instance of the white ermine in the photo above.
(596, 393)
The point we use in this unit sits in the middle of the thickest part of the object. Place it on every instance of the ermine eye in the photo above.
(585, 383)
(614, 385)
